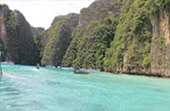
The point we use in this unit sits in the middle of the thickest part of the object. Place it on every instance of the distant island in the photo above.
(120, 36)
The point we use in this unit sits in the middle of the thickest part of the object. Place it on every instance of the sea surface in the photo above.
(25, 88)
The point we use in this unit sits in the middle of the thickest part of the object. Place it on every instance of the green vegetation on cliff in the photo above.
(130, 51)
(57, 39)
(127, 36)
(10, 49)
(93, 36)
(88, 46)
(37, 35)
(12, 38)
(17, 43)
(96, 11)
(58, 42)
(131, 45)
(122, 40)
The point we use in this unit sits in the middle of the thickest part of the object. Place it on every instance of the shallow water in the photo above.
(24, 88)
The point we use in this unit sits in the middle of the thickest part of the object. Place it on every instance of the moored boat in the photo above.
(86, 72)
(81, 72)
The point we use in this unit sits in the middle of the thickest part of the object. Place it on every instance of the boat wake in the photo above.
(13, 76)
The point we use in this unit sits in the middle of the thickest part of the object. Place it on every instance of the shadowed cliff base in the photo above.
(145, 75)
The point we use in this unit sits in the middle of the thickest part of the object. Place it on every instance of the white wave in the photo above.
(67, 68)
(13, 76)
(7, 62)
(35, 69)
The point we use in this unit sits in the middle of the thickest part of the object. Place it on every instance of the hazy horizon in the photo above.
(40, 13)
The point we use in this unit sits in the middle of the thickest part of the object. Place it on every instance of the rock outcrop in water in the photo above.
(17, 44)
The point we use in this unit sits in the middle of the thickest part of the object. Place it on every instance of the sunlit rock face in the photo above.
(160, 48)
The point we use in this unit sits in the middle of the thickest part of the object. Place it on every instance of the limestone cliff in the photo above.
(122, 36)
(37, 35)
(27, 45)
(160, 48)
(8, 34)
(3, 40)
(56, 39)
(17, 44)
(92, 36)
(37, 30)
(96, 11)
(142, 41)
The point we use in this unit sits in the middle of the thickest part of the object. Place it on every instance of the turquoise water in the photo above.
(24, 88)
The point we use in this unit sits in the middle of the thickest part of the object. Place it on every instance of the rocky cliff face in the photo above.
(124, 36)
(160, 48)
(92, 36)
(26, 43)
(56, 39)
(141, 44)
(9, 35)
(37, 30)
(16, 37)
(96, 11)
(37, 35)
(3, 40)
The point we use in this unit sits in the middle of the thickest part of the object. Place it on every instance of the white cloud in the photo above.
(40, 13)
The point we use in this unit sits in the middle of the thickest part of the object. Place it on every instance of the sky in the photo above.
(40, 13)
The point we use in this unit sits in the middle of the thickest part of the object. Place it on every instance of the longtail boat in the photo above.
(80, 72)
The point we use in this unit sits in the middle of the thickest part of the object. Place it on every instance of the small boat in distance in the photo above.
(38, 66)
(80, 72)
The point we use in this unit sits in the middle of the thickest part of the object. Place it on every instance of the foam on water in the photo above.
(9, 76)
(25, 88)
